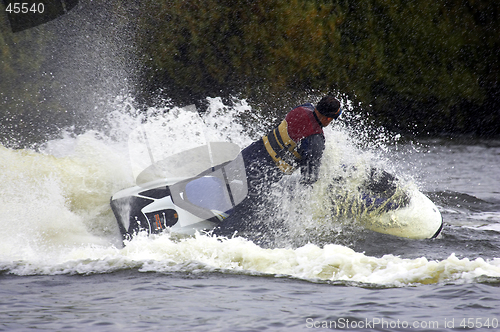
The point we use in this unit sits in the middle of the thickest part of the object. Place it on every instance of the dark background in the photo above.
(419, 68)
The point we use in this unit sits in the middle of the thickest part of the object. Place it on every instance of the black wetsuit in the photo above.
(297, 143)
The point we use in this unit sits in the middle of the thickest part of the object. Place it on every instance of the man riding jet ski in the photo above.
(297, 142)
(217, 188)
(235, 186)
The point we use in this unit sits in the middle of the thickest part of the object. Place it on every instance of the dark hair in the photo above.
(329, 106)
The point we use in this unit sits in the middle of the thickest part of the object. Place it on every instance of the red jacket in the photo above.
(302, 123)
(297, 142)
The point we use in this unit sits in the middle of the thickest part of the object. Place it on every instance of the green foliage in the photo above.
(214, 45)
(416, 67)
(57, 74)
(408, 62)
(24, 87)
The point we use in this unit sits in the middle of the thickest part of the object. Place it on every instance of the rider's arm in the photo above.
(311, 149)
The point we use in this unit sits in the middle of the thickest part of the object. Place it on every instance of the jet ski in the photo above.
(181, 203)
(197, 189)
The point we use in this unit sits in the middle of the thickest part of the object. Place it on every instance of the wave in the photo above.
(203, 253)
(55, 216)
(458, 201)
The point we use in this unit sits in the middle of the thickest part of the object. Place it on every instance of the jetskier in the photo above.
(197, 189)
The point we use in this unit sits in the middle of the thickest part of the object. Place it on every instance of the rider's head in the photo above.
(330, 107)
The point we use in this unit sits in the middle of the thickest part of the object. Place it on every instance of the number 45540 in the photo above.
(24, 8)
(479, 323)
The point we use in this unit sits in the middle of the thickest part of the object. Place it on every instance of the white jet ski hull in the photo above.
(150, 208)
(419, 219)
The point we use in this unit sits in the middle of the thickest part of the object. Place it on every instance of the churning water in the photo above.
(63, 266)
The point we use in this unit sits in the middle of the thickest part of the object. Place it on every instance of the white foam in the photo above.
(55, 216)
(203, 253)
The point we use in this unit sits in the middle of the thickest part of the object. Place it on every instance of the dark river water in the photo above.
(63, 269)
